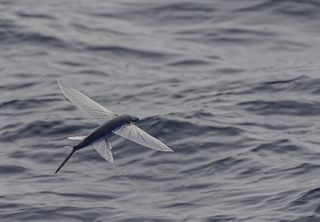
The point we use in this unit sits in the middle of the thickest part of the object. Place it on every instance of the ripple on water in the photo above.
(232, 88)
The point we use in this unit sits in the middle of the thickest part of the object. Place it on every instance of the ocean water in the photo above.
(233, 87)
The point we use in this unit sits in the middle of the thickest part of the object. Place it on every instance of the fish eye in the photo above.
(134, 119)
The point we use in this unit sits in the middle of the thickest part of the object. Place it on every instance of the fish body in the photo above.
(105, 131)
(110, 124)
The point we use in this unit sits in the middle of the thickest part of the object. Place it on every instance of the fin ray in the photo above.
(87, 105)
(104, 149)
(137, 135)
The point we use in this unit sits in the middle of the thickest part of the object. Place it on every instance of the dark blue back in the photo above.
(104, 130)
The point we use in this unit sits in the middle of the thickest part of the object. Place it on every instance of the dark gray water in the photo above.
(232, 86)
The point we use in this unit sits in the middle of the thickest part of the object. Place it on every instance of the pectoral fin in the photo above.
(137, 135)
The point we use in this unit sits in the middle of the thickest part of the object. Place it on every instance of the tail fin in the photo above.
(65, 160)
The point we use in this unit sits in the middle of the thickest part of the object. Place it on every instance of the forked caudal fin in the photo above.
(103, 147)
(65, 160)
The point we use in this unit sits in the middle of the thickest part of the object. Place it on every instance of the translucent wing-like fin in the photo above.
(91, 108)
(104, 149)
(77, 138)
(137, 135)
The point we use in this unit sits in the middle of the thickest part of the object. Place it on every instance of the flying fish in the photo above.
(110, 124)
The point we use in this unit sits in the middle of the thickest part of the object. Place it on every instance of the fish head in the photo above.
(134, 119)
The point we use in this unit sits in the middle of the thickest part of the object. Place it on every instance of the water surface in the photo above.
(232, 86)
